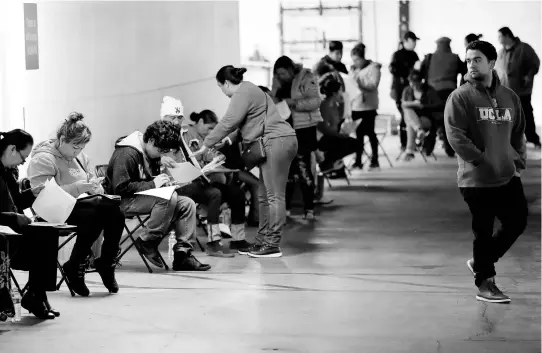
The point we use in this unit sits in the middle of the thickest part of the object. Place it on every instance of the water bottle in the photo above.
(16, 297)
(172, 240)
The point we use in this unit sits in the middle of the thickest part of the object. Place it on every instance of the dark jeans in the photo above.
(204, 194)
(366, 128)
(402, 124)
(530, 127)
(300, 169)
(90, 222)
(508, 204)
(280, 153)
(438, 126)
(234, 196)
(36, 251)
(336, 148)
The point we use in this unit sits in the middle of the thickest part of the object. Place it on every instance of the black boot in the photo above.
(74, 269)
(187, 262)
(36, 306)
(106, 269)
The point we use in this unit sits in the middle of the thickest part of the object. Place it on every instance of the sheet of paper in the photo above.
(222, 170)
(163, 193)
(7, 231)
(47, 224)
(184, 172)
(283, 109)
(53, 204)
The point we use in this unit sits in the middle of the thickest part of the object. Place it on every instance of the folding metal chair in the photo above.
(419, 148)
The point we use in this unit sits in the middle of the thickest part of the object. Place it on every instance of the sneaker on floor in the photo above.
(489, 292)
(374, 167)
(470, 265)
(216, 249)
(309, 215)
(187, 262)
(149, 249)
(241, 246)
(265, 250)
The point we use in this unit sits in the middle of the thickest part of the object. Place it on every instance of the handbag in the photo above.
(97, 200)
(253, 153)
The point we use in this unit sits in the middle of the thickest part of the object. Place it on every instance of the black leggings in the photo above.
(366, 128)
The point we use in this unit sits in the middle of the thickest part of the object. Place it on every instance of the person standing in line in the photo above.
(517, 64)
(332, 60)
(366, 74)
(402, 62)
(485, 125)
(298, 87)
(253, 113)
(469, 39)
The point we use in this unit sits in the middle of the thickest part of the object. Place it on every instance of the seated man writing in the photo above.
(420, 104)
(135, 167)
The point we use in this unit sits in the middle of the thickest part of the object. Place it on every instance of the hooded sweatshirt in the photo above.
(130, 170)
(490, 149)
(368, 79)
(47, 162)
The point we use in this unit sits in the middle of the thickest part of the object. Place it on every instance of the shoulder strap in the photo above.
(265, 116)
(80, 164)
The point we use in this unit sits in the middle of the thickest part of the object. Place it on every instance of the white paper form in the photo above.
(53, 204)
(283, 109)
(163, 193)
(184, 172)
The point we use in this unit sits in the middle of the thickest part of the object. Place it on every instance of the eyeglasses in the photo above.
(23, 158)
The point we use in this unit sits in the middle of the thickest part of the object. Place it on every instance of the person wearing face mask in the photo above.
(485, 125)
(253, 113)
(63, 158)
(36, 253)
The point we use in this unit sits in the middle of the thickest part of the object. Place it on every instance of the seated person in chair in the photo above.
(63, 159)
(135, 167)
(37, 254)
(334, 144)
(210, 191)
(420, 103)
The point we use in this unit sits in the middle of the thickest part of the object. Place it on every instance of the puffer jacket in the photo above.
(367, 79)
(306, 94)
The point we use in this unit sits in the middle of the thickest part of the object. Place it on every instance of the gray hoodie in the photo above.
(47, 163)
(490, 149)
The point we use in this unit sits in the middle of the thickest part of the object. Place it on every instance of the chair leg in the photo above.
(199, 244)
(433, 155)
(139, 252)
(423, 156)
(384, 153)
(328, 181)
(399, 156)
(21, 292)
(64, 278)
(163, 261)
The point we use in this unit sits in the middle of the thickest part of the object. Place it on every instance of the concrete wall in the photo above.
(114, 61)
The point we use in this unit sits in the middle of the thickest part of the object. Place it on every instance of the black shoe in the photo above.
(265, 250)
(52, 310)
(187, 262)
(75, 275)
(374, 166)
(242, 246)
(215, 248)
(36, 306)
(149, 249)
(489, 292)
(106, 270)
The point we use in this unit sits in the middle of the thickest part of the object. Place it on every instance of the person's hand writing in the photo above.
(84, 186)
(161, 180)
(22, 220)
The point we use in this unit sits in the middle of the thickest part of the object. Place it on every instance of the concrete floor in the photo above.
(381, 270)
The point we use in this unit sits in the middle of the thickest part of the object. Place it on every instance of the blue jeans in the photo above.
(177, 213)
(280, 153)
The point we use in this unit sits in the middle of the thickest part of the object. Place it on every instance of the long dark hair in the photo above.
(230, 73)
(19, 138)
(208, 116)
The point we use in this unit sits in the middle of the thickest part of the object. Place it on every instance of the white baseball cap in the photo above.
(171, 106)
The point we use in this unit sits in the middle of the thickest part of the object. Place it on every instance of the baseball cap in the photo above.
(411, 35)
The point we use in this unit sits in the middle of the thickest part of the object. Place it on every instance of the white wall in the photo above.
(114, 61)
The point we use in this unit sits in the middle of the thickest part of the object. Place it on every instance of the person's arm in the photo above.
(531, 60)
(236, 113)
(394, 67)
(407, 99)
(371, 81)
(310, 101)
(517, 139)
(22, 200)
(456, 122)
(125, 174)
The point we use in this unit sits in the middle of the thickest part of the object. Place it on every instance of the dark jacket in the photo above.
(129, 170)
(442, 67)
(430, 101)
(12, 201)
(516, 63)
(490, 149)
(402, 62)
(326, 64)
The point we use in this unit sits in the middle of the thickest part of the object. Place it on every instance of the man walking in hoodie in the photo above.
(135, 167)
(517, 64)
(485, 125)
(440, 70)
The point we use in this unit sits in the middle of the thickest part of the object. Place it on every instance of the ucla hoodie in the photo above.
(47, 163)
(129, 169)
(490, 143)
